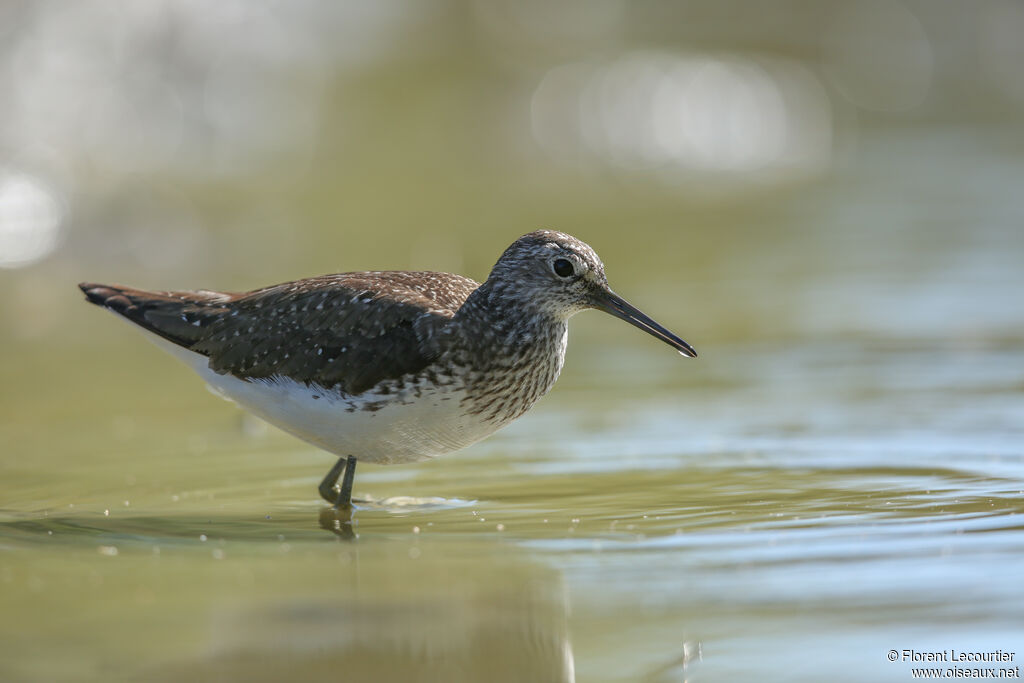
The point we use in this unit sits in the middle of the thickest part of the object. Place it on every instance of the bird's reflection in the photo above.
(342, 521)
(339, 521)
(393, 618)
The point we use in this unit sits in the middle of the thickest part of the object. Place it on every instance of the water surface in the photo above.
(725, 525)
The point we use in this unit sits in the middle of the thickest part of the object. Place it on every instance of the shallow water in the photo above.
(839, 474)
(787, 524)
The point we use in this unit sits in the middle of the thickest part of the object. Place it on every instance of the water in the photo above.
(838, 475)
(818, 506)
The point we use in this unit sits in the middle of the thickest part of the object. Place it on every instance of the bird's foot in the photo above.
(339, 497)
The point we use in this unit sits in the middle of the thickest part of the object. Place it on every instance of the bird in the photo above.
(388, 367)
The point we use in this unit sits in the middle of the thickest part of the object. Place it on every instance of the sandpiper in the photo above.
(388, 366)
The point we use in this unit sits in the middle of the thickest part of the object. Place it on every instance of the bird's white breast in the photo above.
(375, 427)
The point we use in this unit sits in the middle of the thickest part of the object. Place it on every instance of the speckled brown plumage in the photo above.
(389, 366)
(348, 331)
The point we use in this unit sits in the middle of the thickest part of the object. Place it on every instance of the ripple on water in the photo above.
(410, 504)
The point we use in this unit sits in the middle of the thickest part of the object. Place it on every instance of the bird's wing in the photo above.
(349, 331)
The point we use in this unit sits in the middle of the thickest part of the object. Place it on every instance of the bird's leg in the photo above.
(331, 494)
(327, 490)
(344, 499)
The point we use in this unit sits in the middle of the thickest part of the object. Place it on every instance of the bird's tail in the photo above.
(179, 317)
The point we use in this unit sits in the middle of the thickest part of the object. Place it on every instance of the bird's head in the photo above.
(559, 276)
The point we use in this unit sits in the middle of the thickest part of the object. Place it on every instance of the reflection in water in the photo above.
(493, 620)
(338, 521)
(342, 522)
(676, 669)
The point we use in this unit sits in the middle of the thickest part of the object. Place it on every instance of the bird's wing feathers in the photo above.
(349, 331)
(175, 316)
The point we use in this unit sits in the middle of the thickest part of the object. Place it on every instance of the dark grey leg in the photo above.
(345, 494)
(327, 490)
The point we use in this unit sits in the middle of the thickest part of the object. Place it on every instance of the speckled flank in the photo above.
(388, 366)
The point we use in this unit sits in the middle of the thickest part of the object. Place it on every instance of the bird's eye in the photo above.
(563, 268)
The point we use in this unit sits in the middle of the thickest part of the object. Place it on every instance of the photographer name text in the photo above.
(954, 655)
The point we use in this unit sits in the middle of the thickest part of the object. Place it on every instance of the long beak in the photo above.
(610, 302)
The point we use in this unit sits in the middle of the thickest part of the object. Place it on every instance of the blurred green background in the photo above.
(824, 198)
